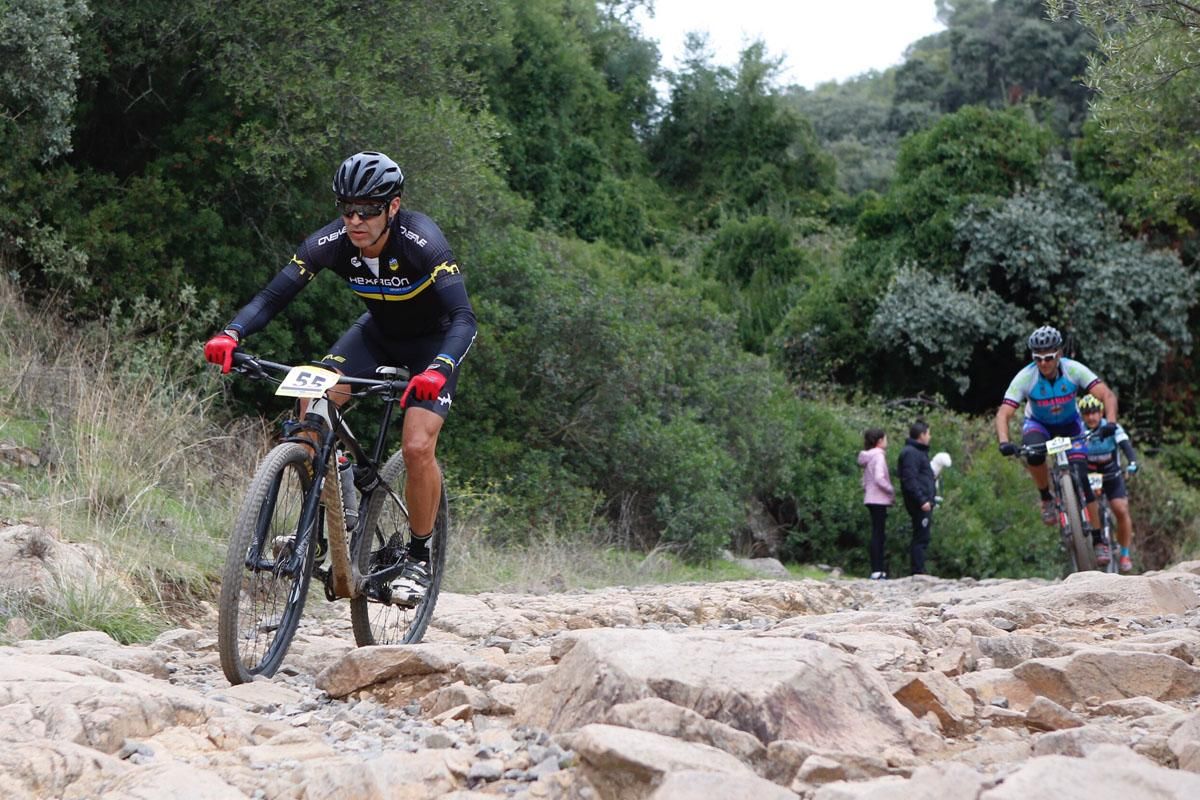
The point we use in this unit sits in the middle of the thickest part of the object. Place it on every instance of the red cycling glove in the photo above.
(424, 386)
(219, 350)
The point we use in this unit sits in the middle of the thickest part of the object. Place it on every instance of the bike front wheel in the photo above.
(1080, 544)
(262, 595)
(378, 615)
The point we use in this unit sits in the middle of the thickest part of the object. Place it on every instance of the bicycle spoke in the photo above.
(394, 608)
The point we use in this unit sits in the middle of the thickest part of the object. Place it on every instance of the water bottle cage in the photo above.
(366, 479)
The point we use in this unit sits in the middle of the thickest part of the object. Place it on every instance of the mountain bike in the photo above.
(1070, 500)
(294, 518)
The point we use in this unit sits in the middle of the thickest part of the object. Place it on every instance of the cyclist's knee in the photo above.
(419, 451)
(1036, 459)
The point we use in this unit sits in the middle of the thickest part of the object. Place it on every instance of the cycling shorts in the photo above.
(1114, 483)
(364, 347)
(1034, 432)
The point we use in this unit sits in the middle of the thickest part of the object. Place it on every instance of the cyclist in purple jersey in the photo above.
(418, 313)
(1048, 386)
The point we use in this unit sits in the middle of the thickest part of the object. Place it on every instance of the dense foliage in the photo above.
(690, 304)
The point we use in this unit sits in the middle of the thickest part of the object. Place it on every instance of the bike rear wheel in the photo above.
(1108, 532)
(1081, 551)
(261, 598)
(377, 617)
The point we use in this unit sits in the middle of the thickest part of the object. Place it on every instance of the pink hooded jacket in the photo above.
(877, 483)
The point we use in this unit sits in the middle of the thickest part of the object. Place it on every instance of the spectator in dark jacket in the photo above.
(919, 487)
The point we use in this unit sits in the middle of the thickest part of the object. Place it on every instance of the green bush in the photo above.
(1166, 516)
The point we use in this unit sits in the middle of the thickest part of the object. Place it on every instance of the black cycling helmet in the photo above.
(1045, 338)
(368, 176)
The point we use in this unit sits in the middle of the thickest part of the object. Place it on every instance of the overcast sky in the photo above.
(821, 40)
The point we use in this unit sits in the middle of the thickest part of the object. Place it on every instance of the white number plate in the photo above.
(1096, 481)
(307, 382)
(1059, 444)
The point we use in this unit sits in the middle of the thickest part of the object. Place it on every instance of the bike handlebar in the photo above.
(1037, 448)
(257, 368)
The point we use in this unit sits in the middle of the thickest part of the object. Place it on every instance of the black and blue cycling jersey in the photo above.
(413, 290)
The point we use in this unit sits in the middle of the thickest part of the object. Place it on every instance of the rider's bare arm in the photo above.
(1003, 416)
(1107, 396)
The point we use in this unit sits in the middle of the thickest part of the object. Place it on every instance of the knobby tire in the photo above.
(386, 526)
(1082, 553)
(260, 606)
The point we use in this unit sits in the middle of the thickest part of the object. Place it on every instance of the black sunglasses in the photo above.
(364, 210)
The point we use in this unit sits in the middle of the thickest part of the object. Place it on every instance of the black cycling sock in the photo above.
(1046, 494)
(1097, 535)
(418, 546)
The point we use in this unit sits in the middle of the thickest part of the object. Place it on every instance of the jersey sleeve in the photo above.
(452, 292)
(1079, 374)
(450, 289)
(286, 284)
(1018, 390)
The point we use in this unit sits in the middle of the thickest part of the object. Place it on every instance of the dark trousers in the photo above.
(878, 533)
(922, 524)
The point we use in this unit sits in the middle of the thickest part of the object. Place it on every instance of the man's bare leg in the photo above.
(423, 487)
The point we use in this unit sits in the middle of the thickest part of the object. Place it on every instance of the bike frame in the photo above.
(346, 579)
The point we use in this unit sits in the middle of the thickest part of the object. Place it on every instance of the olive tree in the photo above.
(1146, 78)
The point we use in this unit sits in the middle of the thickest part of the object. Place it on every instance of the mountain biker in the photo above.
(418, 316)
(1048, 386)
(1102, 458)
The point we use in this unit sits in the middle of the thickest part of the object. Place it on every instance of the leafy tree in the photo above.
(571, 84)
(938, 326)
(728, 141)
(39, 64)
(759, 274)
(205, 149)
(1050, 253)
(972, 153)
(851, 120)
(1147, 83)
(39, 69)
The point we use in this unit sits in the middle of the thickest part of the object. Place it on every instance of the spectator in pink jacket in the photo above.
(878, 494)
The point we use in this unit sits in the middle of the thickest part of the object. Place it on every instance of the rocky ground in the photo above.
(913, 688)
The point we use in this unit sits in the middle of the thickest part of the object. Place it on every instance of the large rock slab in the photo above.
(33, 560)
(39, 769)
(627, 764)
(1109, 772)
(947, 781)
(773, 688)
(367, 666)
(692, 784)
(74, 699)
(655, 715)
(423, 775)
(1094, 594)
(1109, 675)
